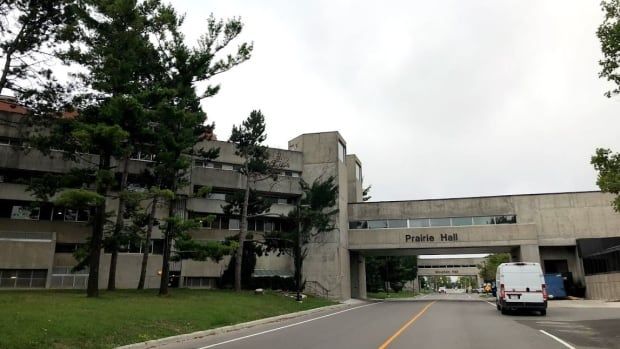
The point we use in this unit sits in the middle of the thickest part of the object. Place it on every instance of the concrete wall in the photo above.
(354, 184)
(328, 261)
(468, 236)
(558, 219)
(603, 286)
(128, 270)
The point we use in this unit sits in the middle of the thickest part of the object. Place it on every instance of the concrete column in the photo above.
(50, 268)
(416, 284)
(358, 276)
(529, 253)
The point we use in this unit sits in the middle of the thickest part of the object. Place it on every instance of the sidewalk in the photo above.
(582, 303)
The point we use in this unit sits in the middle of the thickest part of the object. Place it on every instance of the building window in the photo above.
(25, 212)
(484, 220)
(342, 151)
(419, 223)
(23, 278)
(432, 222)
(397, 223)
(358, 172)
(216, 196)
(358, 225)
(440, 222)
(71, 215)
(459, 221)
(233, 224)
(512, 219)
(377, 224)
(64, 247)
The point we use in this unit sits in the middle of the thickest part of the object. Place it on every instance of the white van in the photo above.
(521, 286)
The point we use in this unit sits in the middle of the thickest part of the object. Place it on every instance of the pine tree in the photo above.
(180, 120)
(313, 216)
(258, 165)
(31, 30)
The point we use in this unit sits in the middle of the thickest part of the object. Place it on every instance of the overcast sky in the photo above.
(437, 99)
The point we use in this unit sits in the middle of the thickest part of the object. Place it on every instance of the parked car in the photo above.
(442, 290)
(521, 287)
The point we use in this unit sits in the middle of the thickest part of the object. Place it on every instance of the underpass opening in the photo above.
(381, 272)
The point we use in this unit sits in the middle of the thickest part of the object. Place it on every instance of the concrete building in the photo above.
(36, 244)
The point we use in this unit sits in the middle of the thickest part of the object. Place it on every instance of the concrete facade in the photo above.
(537, 227)
(603, 286)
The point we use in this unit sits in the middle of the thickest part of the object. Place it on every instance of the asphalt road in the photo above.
(435, 321)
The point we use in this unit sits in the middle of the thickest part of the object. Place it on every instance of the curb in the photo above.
(154, 343)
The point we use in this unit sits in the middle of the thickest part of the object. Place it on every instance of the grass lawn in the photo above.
(383, 295)
(67, 319)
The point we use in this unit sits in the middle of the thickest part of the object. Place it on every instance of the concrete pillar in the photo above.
(50, 268)
(416, 284)
(529, 253)
(328, 262)
(358, 276)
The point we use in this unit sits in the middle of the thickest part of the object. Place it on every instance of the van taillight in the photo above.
(502, 292)
(544, 291)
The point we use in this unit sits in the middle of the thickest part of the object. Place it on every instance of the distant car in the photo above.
(442, 290)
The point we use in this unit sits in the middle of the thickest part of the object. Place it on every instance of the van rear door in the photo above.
(523, 286)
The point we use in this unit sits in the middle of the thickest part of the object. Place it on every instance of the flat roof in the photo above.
(476, 197)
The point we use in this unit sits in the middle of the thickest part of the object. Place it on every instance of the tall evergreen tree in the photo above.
(605, 161)
(257, 166)
(29, 33)
(180, 120)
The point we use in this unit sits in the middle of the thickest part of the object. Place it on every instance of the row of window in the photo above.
(432, 222)
(27, 210)
(236, 167)
(602, 263)
(447, 266)
(11, 141)
(222, 195)
(23, 278)
(230, 223)
(156, 247)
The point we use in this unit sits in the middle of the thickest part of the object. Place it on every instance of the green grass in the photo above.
(67, 319)
(383, 295)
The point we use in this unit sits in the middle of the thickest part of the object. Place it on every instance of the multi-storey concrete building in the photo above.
(566, 232)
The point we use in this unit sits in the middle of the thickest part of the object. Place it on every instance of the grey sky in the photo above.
(438, 99)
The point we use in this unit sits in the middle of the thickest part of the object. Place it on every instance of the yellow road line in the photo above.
(404, 327)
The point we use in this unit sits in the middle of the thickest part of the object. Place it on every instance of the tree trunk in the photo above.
(165, 264)
(118, 226)
(145, 254)
(92, 289)
(243, 229)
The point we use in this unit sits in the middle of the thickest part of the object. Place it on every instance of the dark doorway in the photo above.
(553, 266)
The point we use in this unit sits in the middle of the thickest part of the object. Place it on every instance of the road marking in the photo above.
(283, 327)
(492, 304)
(557, 339)
(404, 327)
